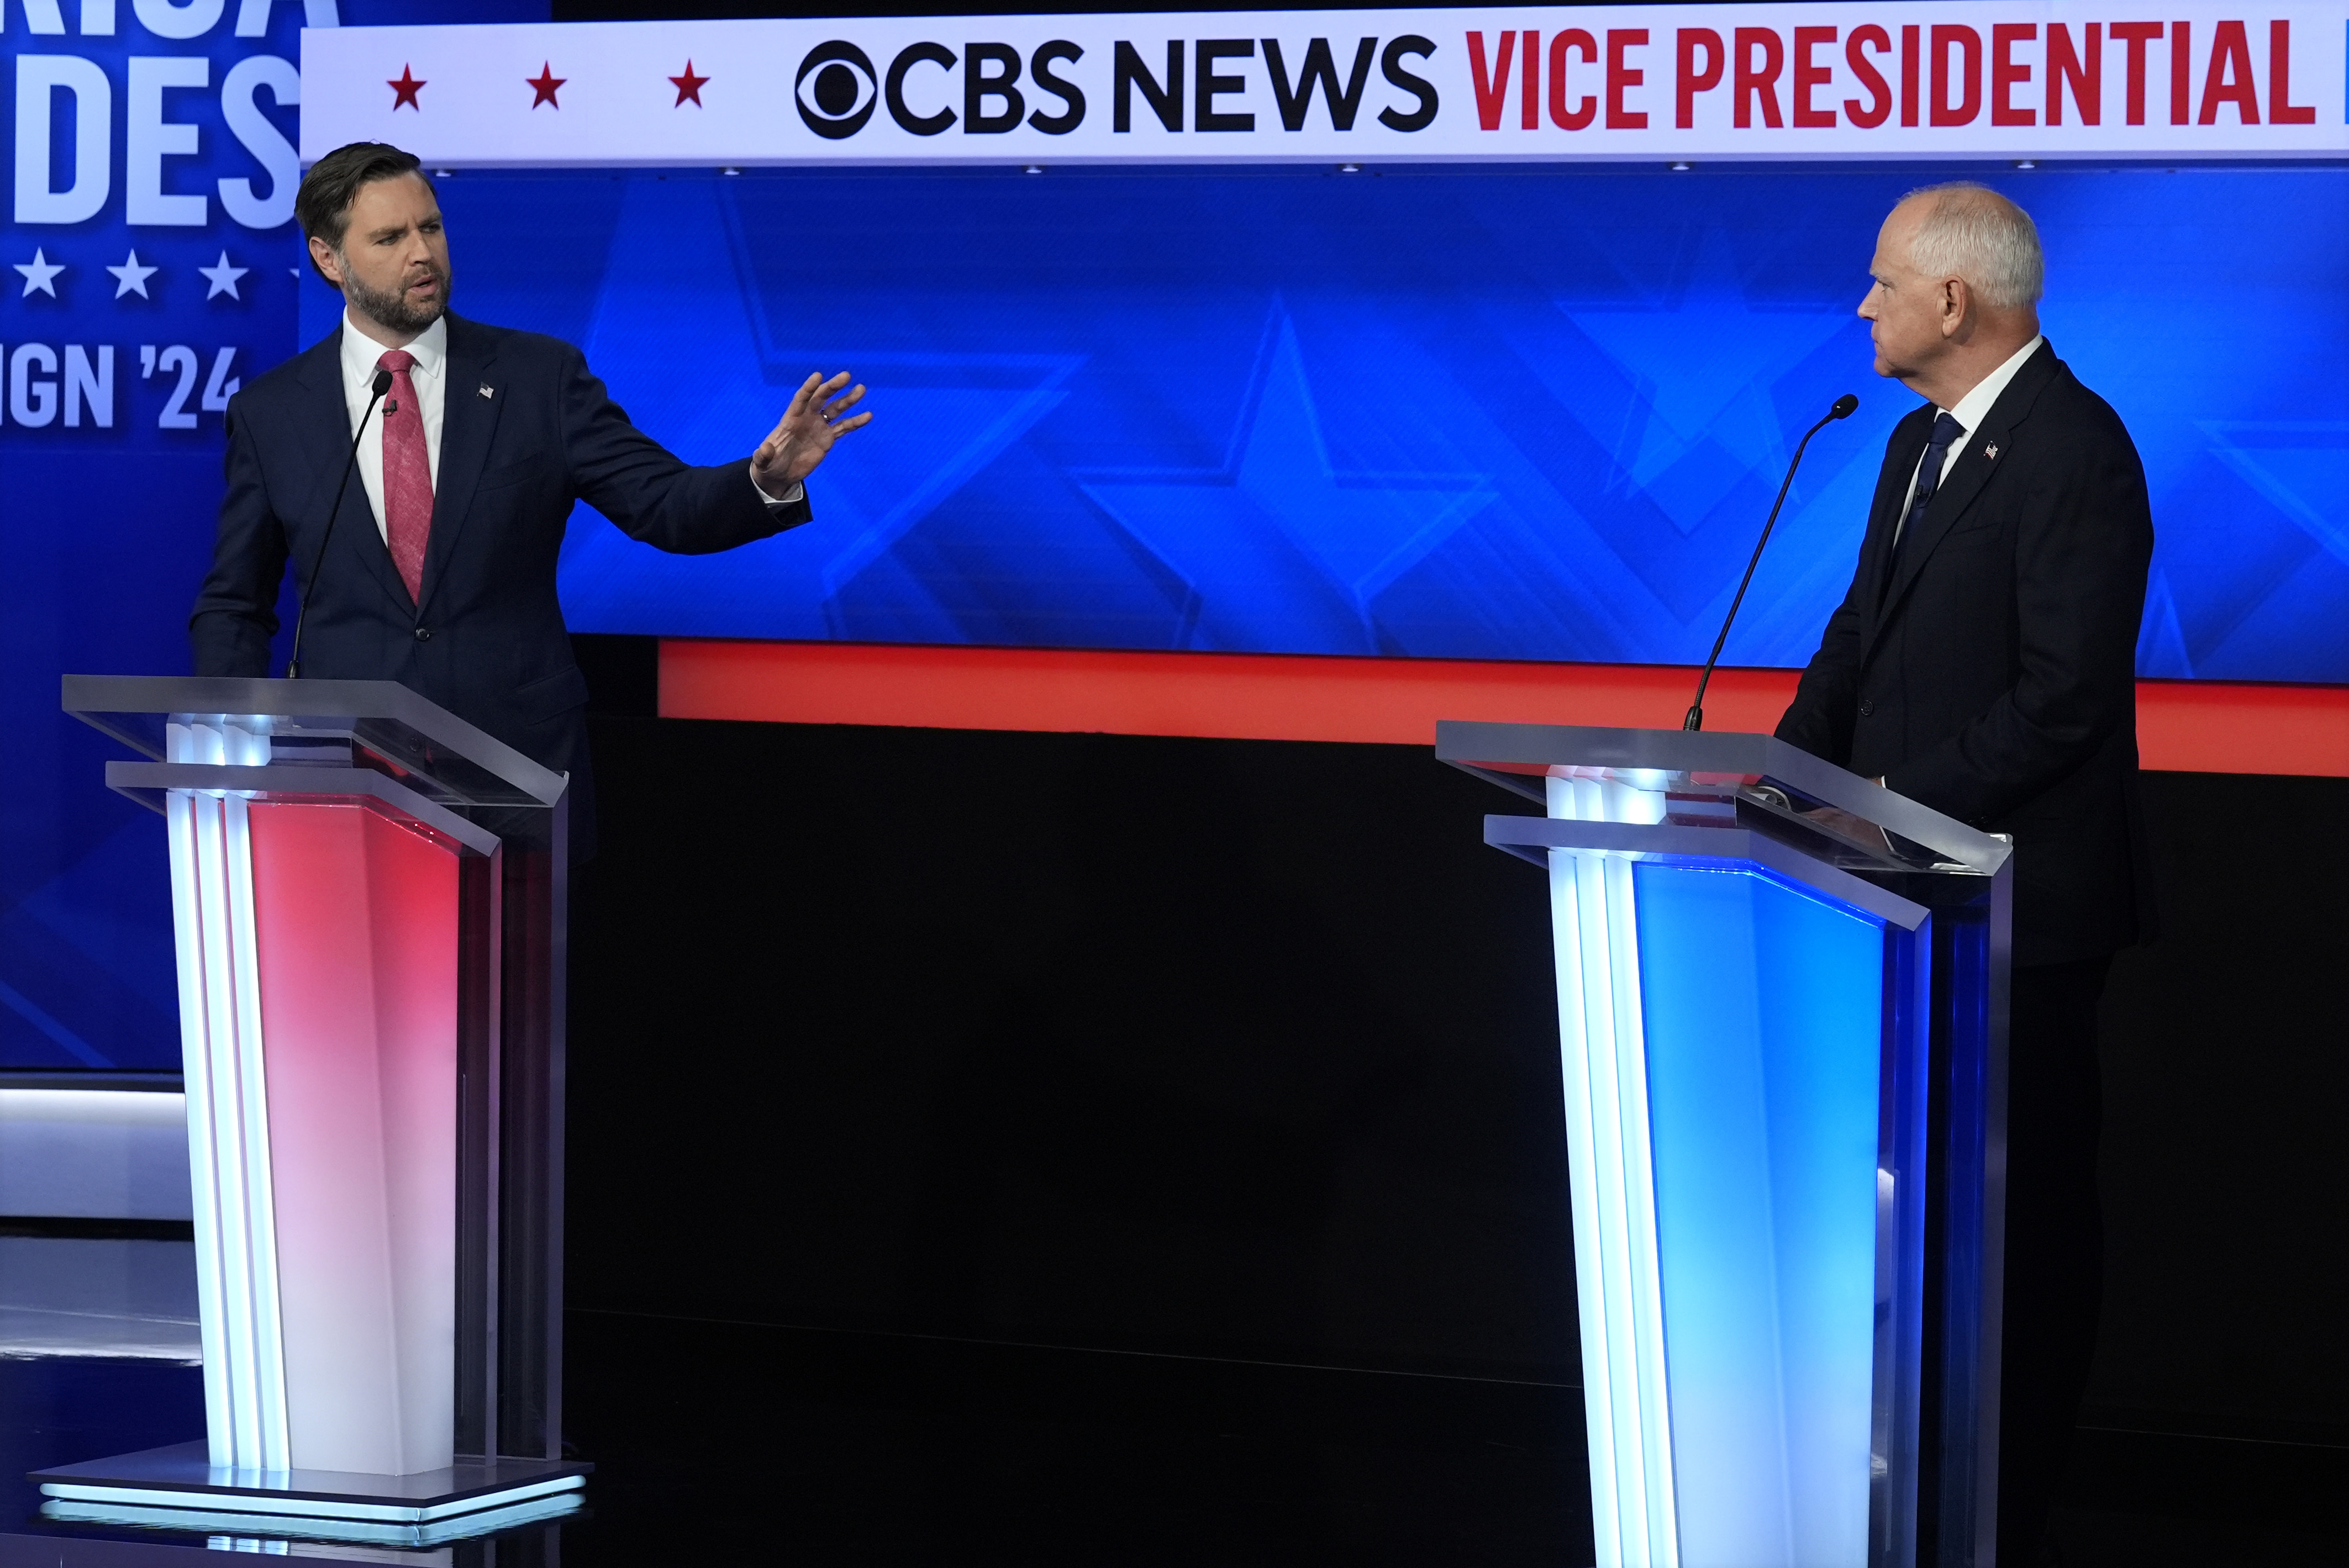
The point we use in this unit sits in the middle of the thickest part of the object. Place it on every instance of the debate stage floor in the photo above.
(730, 1443)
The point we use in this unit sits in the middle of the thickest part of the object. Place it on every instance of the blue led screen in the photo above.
(1481, 412)
(1449, 412)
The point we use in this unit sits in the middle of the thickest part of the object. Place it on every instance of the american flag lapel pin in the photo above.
(1990, 451)
(489, 391)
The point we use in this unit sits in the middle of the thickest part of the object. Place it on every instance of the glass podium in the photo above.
(368, 906)
(1782, 1010)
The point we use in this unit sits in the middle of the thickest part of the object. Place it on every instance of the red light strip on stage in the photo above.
(2185, 727)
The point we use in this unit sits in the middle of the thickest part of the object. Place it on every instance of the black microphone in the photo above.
(378, 386)
(1841, 410)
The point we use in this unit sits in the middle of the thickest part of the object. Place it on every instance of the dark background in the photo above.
(1247, 1050)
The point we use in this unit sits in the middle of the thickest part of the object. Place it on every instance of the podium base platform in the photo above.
(176, 1488)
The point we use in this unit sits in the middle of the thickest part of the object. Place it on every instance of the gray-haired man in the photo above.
(1983, 662)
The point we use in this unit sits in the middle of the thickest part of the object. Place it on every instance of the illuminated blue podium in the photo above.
(1782, 1010)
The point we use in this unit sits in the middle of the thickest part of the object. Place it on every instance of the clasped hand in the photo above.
(818, 415)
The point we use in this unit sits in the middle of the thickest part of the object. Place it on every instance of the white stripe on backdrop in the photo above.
(1933, 81)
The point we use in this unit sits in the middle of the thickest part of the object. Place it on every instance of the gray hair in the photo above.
(1971, 231)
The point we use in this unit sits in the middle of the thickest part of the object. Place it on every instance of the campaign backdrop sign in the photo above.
(1957, 79)
(146, 273)
(149, 267)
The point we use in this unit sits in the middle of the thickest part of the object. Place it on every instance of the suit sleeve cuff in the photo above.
(792, 497)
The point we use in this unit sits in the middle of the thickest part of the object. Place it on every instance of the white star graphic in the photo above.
(40, 273)
(131, 278)
(222, 277)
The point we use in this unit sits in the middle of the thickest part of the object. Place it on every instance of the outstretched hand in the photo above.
(818, 417)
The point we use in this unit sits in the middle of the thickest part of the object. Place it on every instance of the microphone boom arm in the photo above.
(1842, 408)
(378, 386)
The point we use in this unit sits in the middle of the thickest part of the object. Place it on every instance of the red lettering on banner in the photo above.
(1949, 37)
(2229, 51)
(1808, 76)
(1692, 80)
(2281, 110)
(2005, 75)
(1758, 81)
(1619, 77)
(1583, 113)
(1531, 91)
(1908, 53)
(2181, 64)
(1879, 95)
(1965, 70)
(2137, 36)
(2083, 73)
(1493, 89)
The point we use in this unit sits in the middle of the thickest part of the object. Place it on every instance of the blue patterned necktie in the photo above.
(1946, 431)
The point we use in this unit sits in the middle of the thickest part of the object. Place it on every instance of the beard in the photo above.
(392, 310)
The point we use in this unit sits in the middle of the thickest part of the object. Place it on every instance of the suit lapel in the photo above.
(468, 423)
(325, 423)
(1905, 450)
(1969, 473)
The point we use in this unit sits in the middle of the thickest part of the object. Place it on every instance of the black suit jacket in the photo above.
(1993, 676)
(527, 431)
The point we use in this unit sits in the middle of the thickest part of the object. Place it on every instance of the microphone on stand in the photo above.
(378, 388)
(1841, 410)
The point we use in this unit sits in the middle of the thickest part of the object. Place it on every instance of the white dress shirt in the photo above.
(430, 374)
(1971, 410)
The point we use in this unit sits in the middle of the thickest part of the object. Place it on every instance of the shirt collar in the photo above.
(360, 352)
(1975, 405)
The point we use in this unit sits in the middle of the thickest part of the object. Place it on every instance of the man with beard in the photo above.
(441, 575)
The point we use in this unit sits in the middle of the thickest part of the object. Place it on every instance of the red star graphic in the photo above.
(405, 89)
(546, 82)
(689, 86)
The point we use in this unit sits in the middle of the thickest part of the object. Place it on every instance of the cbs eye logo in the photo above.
(835, 89)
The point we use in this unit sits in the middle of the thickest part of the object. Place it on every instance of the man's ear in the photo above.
(323, 257)
(1956, 299)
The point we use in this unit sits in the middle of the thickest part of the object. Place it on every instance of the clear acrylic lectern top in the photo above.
(1757, 782)
(379, 724)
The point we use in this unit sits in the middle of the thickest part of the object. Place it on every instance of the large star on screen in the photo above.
(1705, 368)
(1663, 423)
(1278, 528)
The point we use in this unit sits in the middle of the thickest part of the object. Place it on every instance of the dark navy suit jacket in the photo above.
(1993, 677)
(525, 432)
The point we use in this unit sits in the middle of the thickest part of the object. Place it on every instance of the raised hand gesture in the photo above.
(818, 417)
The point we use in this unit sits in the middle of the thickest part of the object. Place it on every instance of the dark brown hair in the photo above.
(322, 205)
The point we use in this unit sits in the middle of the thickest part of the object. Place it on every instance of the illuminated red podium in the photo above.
(368, 900)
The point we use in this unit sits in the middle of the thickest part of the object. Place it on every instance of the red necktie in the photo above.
(407, 473)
